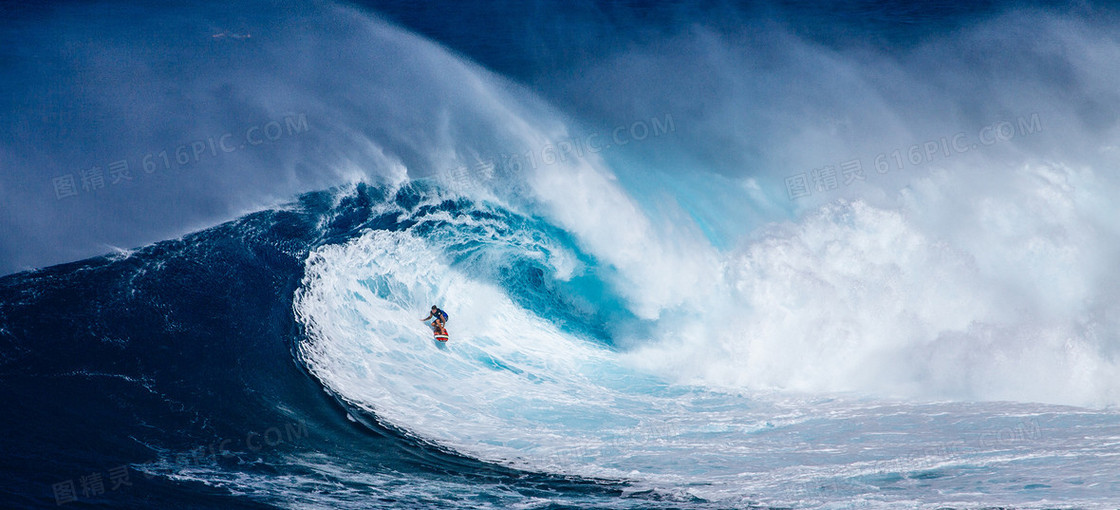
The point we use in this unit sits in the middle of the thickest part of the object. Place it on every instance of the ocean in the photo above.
(769, 255)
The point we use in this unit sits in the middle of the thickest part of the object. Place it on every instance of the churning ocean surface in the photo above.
(858, 255)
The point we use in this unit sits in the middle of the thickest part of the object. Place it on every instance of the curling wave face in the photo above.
(534, 378)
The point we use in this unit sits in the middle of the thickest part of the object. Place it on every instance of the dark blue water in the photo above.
(182, 353)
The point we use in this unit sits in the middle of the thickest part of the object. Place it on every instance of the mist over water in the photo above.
(966, 254)
(186, 99)
(949, 192)
(900, 205)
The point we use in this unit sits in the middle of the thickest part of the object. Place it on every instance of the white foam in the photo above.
(1012, 302)
(513, 389)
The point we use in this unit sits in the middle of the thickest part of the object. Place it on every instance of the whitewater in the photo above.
(528, 382)
(708, 258)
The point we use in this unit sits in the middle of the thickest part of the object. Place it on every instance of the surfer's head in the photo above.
(434, 308)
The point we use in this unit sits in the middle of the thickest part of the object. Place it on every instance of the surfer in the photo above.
(440, 319)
